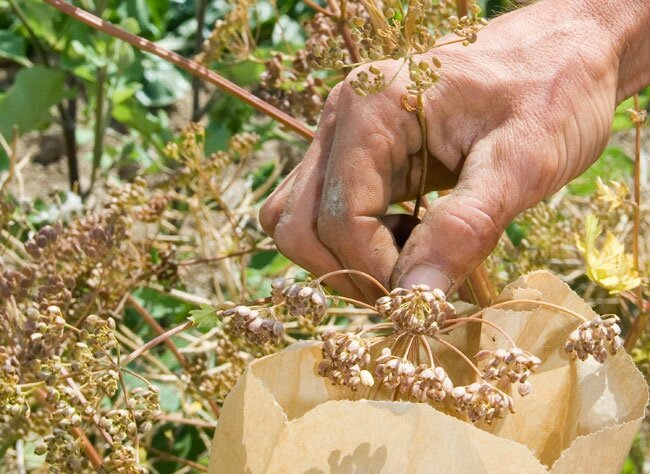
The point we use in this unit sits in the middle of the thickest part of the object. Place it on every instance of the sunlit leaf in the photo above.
(609, 266)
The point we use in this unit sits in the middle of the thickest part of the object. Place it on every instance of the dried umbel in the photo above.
(345, 358)
(231, 38)
(597, 337)
(482, 402)
(419, 311)
(397, 357)
(254, 325)
(301, 300)
(509, 366)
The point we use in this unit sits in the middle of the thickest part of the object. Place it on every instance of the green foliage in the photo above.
(26, 105)
(13, 47)
(205, 317)
(613, 164)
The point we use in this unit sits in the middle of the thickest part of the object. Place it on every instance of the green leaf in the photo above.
(29, 99)
(13, 47)
(163, 83)
(613, 165)
(205, 317)
(516, 233)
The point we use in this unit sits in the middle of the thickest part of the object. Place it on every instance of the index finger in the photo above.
(357, 186)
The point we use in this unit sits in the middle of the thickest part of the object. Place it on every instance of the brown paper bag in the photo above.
(281, 417)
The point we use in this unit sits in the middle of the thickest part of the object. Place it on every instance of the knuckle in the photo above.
(288, 238)
(477, 223)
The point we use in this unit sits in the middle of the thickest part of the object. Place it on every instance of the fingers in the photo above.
(289, 215)
(357, 189)
(460, 230)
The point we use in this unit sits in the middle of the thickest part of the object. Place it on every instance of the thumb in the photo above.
(459, 230)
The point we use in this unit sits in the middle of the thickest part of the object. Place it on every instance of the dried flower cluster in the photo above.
(231, 38)
(345, 358)
(419, 311)
(596, 337)
(401, 365)
(509, 366)
(482, 402)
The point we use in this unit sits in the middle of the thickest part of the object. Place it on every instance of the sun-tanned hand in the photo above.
(514, 118)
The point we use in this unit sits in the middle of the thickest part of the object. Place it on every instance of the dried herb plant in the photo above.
(85, 391)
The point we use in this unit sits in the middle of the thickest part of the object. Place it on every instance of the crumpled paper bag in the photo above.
(281, 417)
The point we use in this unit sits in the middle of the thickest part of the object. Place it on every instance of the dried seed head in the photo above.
(256, 328)
(345, 358)
(419, 311)
(507, 366)
(482, 402)
(596, 337)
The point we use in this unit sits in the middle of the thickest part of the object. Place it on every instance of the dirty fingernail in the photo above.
(425, 274)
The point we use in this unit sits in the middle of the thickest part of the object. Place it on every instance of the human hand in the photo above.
(515, 117)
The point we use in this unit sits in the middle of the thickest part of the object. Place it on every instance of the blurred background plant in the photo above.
(128, 199)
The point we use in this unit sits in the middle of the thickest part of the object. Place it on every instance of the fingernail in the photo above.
(426, 274)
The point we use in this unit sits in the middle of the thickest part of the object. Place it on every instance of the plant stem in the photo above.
(349, 271)
(155, 341)
(355, 302)
(478, 287)
(459, 352)
(220, 257)
(99, 125)
(67, 118)
(461, 8)
(489, 323)
(345, 33)
(641, 321)
(170, 457)
(504, 304)
(188, 65)
(157, 328)
(318, 8)
(69, 123)
(424, 152)
(11, 153)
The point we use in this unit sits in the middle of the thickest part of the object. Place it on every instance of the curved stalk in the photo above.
(462, 321)
(463, 356)
(349, 271)
(188, 65)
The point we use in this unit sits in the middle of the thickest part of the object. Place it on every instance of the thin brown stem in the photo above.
(423, 152)
(318, 8)
(461, 321)
(459, 352)
(376, 328)
(157, 328)
(220, 257)
(427, 349)
(155, 341)
(349, 271)
(641, 321)
(461, 8)
(188, 65)
(538, 303)
(355, 302)
(170, 457)
(345, 33)
(201, 6)
(99, 125)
